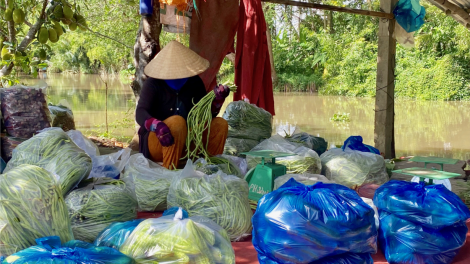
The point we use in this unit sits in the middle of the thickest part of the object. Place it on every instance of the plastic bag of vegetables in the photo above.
(318, 144)
(54, 151)
(50, 251)
(229, 165)
(248, 121)
(305, 179)
(220, 197)
(99, 203)
(175, 239)
(61, 117)
(235, 146)
(148, 182)
(306, 160)
(115, 234)
(353, 168)
(304, 224)
(31, 206)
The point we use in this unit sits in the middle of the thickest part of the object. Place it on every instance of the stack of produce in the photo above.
(148, 182)
(219, 197)
(8, 144)
(49, 250)
(304, 161)
(176, 239)
(31, 206)
(116, 234)
(305, 179)
(323, 223)
(94, 207)
(61, 117)
(353, 168)
(54, 151)
(317, 144)
(24, 111)
(247, 126)
(419, 223)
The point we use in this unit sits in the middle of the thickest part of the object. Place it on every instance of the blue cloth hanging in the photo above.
(409, 14)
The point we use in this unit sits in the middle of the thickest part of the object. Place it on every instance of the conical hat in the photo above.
(175, 61)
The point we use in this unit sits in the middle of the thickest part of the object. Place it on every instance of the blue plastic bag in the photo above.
(173, 210)
(355, 143)
(403, 241)
(433, 206)
(115, 234)
(48, 251)
(409, 14)
(303, 224)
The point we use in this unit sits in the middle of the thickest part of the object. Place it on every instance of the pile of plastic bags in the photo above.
(50, 250)
(54, 151)
(220, 197)
(177, 239)
(353, 168)
(328, 223)
(148, 182)
(305, 159)
(99, 203)
(419, 223)
(31, 206)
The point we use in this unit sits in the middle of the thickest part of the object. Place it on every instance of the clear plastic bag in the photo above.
(248, 121)
(229, 165)
(31, 206)
(407, 40)
(24, 110)
(305, 179)
(62, 117)
(54, 151)
(305, 224)
(305, 161)
(317, 144)
(220, 197)
(115, 234)
(111, 165)
(174, 239)
(94, 207)
(148, 182)
(235, 146)
(84, 143)
(50, 251)
(353, 168)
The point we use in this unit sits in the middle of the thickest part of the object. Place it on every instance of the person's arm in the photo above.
(221, 92)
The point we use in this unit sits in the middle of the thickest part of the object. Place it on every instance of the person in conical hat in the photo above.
(169, 93)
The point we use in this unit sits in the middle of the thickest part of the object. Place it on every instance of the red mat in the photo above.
(245, 253)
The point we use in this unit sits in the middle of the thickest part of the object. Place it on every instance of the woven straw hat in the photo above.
(175, 61)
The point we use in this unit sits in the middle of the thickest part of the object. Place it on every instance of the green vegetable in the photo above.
(96, 206)
(221, 198)
(31, 206)
(148, 182)
(216, 163)
(235, 146)
(199, 120)
(248, 121)
(54, 151)
(174, 240)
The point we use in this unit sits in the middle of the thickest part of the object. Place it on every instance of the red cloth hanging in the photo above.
(212, 34)
(252, 64)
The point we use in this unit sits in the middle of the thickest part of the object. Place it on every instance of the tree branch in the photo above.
(34, 29)
(27, 23)
(104, 36)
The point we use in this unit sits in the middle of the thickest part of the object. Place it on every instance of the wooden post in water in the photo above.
(385, 85)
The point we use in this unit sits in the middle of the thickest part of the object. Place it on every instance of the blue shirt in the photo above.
(177, 83)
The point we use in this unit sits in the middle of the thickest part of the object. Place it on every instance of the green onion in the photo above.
(31, 206)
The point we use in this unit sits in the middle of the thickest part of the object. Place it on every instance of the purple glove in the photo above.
(221, 92)
(161, 130)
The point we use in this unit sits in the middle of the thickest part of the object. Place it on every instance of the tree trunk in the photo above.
(331, 22)
(271, 58)
(147, 45)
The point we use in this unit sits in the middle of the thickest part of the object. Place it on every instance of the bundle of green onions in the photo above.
(96, 206)
(199, 120)
(148, 182)
(54, 151)
(219, 197)
(31, 206)
(172, 239)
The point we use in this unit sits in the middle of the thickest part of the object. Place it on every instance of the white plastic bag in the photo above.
(110, 165)
(407, 40)
(444, 182)
(376, 212)
(84, 143)
(306, 179)
(174, 21)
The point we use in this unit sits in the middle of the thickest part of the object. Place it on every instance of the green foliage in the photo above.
(344, 117)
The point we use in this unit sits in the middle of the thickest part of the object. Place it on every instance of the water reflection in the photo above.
(422, 127)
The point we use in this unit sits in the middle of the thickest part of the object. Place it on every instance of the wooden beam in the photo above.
(332, 8)
(385, 84)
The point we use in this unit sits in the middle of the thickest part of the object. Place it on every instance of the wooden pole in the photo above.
(385, 89)
(387, 15)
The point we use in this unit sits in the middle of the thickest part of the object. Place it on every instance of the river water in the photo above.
(421, 127)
